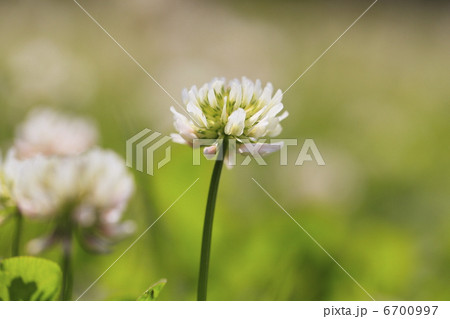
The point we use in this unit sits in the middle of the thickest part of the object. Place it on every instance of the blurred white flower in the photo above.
(48, 132)
(106, 187)
(41, 186)
(91, 190)
(239, 109)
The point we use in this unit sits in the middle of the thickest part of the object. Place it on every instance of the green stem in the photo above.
(67, 268)
(15, 246)
(208, 223)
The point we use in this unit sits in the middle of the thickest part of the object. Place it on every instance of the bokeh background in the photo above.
(377, 106)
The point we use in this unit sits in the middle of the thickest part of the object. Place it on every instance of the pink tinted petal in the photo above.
(261, 148)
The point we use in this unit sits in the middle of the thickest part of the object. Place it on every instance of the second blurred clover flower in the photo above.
(89, 191)
(53, 173)
(105, 189)
(48, 132)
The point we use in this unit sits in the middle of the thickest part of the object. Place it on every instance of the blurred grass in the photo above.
(377, 106)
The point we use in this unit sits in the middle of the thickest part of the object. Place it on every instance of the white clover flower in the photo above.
(40, 186)
(241, 110)
(106, 188)
(48, 132)
(92, 188)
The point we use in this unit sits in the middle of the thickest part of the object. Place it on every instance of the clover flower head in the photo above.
(40, 186)
(106, 188)
(48, 132)
(92, 189)
(238, 109)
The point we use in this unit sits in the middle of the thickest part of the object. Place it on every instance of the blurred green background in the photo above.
(377, 106)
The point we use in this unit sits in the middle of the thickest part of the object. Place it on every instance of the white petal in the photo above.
(283, 116)
(197, 114)
(210, 151)
(212, 98)
(273, 111)
(182, 124)
(177, 138)
(194, 90)
(255, 117)
(273, 122)
(266, 95)
(185, 131)
(259, 130)
(178, 115)
(193, 94)
(236, 94)
(203, 92)
(276, 131)
(236, 123)
(261, 148)
(247, 91)
(224, 116)
(217, 85)
(277, 98)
